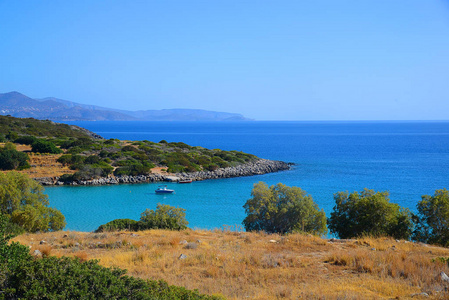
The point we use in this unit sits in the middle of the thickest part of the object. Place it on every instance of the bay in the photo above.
(409, 159)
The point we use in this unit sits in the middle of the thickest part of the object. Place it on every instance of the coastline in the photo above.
(258, 167)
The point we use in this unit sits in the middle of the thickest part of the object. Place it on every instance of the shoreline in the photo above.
(258, 167)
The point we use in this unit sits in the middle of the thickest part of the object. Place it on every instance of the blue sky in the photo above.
(269, 60)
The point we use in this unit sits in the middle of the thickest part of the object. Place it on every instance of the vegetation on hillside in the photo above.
(100, 158)
(93, 158)
(12, 128)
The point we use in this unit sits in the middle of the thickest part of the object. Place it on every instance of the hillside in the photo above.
(21, 106)
(42, 128)
(245, 265)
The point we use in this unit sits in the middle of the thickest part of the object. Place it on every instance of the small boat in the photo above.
(162, 189)
(185, 181)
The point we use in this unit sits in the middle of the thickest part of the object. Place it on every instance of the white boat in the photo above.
(162, 189)
(185, 181)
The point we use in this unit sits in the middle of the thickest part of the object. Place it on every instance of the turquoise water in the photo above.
(409, 159)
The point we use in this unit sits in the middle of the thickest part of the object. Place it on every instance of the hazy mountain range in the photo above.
(21, 106)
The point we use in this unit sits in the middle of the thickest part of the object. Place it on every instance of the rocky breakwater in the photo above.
(258, 167)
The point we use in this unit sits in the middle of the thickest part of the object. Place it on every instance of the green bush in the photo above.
(432, 221)
(87, 172)
(283, 209)
(13, 160)
(66, 178)
(65, 159)
(42, 146)
(164, 217)
(26, 140)
(369, 213)
(132, 170)
(12, 136)
(92, 159)
(119, 224)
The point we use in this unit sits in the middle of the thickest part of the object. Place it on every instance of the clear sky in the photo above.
(269, 60)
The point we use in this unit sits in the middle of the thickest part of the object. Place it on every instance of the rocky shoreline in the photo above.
(259, 167)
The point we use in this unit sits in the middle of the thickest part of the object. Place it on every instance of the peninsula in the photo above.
(58, 154)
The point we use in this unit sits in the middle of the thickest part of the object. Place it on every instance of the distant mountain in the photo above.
(19, 105)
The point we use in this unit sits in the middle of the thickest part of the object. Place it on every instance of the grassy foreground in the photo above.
(242, 265)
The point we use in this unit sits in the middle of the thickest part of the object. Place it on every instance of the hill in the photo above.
(19, 105)
(250, 265)
(42, 128)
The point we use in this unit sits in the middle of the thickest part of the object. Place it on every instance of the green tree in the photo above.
(283, 209)
(432, 221)
(369, 213)
(23, 201)
(164, 217)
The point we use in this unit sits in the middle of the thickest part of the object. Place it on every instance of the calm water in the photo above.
(409, 159)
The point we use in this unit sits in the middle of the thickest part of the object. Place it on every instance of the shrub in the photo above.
(164, 217)
(66, 178)
(65, 159)
(12, 136)
(132, 170)
(26, 140)
(43, 146)
(283, 209)
(87, 172)
(119, 224)
(432, 221)
(13, 159)
(369, 213)
(92, 159)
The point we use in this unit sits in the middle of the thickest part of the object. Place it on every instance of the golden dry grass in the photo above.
(46, 165)
(260, 266)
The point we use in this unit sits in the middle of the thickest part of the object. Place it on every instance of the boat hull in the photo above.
(185, 181)
(164, 192)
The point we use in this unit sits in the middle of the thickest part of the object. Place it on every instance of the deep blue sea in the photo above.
(408, 159)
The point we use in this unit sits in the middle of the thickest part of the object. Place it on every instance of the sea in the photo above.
(408, 159)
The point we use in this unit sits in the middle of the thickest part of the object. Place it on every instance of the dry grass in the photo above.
(42, 165)
(244, 265)
(46, 165)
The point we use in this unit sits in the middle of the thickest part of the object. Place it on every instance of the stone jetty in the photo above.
(258, 167)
